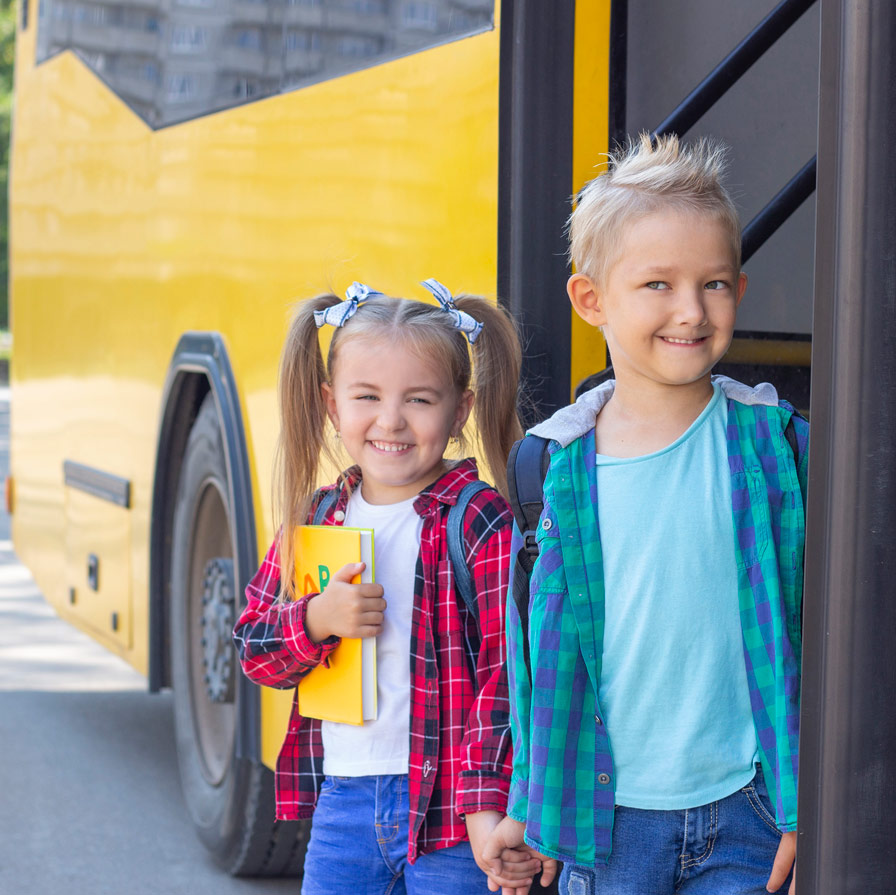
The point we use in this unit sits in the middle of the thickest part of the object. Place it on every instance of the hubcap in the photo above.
(217, 620)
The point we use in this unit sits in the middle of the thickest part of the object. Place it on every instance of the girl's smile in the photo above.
(389, 447)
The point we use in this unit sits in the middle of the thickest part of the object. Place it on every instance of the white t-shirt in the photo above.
(382, 746)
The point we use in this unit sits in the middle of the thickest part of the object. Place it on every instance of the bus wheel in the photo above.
(231, 800)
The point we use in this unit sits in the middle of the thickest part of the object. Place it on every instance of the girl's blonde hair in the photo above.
(426, 330)
(643, 177)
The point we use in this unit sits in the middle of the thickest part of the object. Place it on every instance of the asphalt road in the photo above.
(89, 793)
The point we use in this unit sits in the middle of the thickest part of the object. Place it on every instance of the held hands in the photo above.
(507, 861)
(344, 609)
(515, 865)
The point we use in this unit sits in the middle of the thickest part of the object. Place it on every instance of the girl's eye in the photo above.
(419, 401)
(657, 284)
(716, 285)
(365, 397)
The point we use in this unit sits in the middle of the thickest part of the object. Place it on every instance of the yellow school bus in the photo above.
(182, 172)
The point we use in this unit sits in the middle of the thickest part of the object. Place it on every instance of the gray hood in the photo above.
(570, 423)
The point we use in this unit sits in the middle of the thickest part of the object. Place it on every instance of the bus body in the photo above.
(182, 172)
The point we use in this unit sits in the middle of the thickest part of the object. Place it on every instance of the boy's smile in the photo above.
(668, 306)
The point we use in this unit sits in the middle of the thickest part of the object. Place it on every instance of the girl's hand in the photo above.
(784, 860)
(344, 609)
(504, 849)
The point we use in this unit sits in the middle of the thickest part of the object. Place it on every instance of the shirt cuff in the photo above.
(478, 791)
(296, 639)
(518, 800)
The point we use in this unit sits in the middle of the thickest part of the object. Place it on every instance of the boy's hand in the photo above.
(504, 849)
(784, 860)
(344, 609)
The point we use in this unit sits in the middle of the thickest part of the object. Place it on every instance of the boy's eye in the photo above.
(716, 285)
(657, 284)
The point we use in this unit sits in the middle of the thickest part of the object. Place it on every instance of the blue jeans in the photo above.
(724, 848)
(359, 845)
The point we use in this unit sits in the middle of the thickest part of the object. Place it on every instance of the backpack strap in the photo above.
(790, 435)
(527, 467)
(326, 502)
(457, 551)
(790, 430)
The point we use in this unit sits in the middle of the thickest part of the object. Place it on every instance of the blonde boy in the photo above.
(655, 751)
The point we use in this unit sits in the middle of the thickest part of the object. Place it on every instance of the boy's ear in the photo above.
(741, 286)
(585, 299)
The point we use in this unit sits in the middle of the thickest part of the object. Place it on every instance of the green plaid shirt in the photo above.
(563, 776)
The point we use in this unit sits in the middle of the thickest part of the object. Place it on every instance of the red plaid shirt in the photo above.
(460, 755)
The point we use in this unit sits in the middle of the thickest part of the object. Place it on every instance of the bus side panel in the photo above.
(124, 238)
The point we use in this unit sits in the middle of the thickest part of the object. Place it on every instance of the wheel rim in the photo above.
(210, 653)
(217, 620)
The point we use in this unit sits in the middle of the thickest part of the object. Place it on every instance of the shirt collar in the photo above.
(445, 489)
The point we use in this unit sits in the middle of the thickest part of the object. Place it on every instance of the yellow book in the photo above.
(346, 690)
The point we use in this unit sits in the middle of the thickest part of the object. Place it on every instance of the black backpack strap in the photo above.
(526, 468)
(790, 435)
(457, 551)
(790, 431)
(326, 502)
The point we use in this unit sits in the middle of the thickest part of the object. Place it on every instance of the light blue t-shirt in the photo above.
(673, 683)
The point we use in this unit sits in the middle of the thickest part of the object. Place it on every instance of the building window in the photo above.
(180, 88)
(354, 46)
(309, 41)
(420, 14)
(188, 39)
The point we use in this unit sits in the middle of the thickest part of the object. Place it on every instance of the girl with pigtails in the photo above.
(406, 802)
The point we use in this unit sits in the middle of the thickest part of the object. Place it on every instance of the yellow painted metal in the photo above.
(105, 610)
(782, 352)
(591, 93)
(123, 238)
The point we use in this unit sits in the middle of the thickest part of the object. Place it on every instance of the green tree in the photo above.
(7, 59)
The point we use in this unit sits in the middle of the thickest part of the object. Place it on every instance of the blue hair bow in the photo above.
(462, 321)
(339, 315)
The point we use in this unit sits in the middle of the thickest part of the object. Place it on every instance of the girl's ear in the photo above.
(585, 299)
(326, 391)
(464, 406)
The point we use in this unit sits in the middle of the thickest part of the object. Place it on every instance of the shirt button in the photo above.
(597, 718)
(547, 525)
(339, 516)
(603, 779)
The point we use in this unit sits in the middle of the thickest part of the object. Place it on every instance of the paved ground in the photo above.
(89, 795)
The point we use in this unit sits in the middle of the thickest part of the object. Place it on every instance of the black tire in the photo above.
(230, 800)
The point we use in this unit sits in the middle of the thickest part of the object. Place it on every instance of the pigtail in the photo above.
(303, 419)
(497, 358)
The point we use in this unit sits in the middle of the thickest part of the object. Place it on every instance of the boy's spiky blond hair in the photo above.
(643, 177)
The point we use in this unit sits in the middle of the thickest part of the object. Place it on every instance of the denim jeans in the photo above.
(359, 845)
(724, 848)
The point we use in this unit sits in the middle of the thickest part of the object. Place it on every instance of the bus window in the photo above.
(173, 62)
